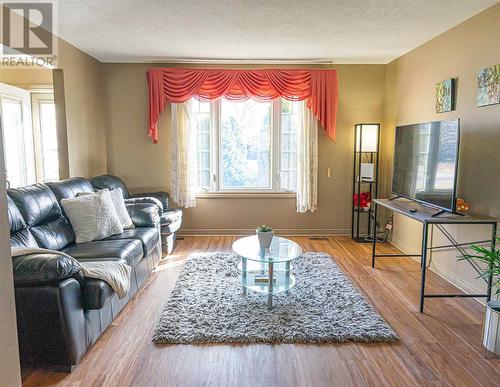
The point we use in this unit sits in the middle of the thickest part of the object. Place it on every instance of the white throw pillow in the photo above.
(93, 216)
(121, 208)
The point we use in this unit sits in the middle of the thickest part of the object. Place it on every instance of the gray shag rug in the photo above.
(207, 306)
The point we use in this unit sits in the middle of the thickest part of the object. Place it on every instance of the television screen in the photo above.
(425, 162)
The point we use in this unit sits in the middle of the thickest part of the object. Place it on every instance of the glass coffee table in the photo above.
(266, 270)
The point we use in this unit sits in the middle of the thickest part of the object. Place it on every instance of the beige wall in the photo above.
(146, 166)
(86, 130)
(10, 372)
(26, 78)
(410, 98)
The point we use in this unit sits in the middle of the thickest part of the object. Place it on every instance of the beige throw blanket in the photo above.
(115, 274)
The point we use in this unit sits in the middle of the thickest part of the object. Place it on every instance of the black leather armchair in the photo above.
(170, 218)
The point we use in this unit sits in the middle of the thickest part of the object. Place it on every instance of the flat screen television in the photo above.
(426, 161)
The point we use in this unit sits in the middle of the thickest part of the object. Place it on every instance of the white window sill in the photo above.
(245, 195)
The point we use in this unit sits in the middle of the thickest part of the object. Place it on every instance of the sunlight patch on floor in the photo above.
(175, 260)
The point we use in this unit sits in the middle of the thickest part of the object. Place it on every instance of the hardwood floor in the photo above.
(440, 347)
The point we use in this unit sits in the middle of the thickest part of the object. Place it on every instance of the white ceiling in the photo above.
(342, 31)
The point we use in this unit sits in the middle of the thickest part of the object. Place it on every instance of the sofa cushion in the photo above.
(36, 203)
(43, 216)
(95, 293)
(128, 250)
(69, 188)
(55, 235)
(145, 200)
(110, 182)
(20, 236)
(144, 214)
(161, 196)
(147, 235)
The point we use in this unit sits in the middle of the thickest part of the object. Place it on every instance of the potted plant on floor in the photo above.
(265, 235)
(491, 328)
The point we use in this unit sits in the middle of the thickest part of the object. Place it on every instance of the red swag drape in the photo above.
(177, 85)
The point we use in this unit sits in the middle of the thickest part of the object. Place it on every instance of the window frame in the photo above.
(38, 97)
(28, 162)
(31, 160)
(216, 190)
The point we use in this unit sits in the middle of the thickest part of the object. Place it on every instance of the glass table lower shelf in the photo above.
(255, 276)
(266, 270)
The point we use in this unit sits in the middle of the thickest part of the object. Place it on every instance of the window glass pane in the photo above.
(291, 122)
(13, 135)
(245, 144)
(202, 126)
(48, 134)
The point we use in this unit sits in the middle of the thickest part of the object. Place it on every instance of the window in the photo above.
(203, 140)
(291, 121)
(29, 136)
(246, 146)
(45, 135)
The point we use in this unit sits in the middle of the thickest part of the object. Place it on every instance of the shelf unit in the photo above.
(364, 154)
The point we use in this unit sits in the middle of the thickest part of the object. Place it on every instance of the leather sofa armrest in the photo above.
(170, 216)
(51, 324)
(143, 214)
(162, 196)
(44, 269)
(145, 199)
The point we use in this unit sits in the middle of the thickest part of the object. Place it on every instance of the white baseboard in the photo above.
(457, 281)
(279, 231)
(398, 243)
(442, 272)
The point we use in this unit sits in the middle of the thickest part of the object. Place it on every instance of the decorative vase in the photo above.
(265, 238)
(491, 327)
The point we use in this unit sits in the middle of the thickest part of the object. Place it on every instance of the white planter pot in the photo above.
(491, 328)
(265, 239)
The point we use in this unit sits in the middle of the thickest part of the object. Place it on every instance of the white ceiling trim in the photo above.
(243, 61)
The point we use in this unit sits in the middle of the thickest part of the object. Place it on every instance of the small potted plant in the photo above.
(491, 328)
(265, 235)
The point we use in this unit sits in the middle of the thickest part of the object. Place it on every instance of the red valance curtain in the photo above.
(177, 85)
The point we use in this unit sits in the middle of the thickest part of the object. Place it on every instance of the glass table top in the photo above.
(281, 249)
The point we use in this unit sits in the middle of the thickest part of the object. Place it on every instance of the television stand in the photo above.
(429, 218)
(442, 212)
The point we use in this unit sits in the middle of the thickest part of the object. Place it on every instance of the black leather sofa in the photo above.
(170, 218)
(61, 314)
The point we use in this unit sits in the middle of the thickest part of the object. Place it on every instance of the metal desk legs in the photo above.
(374, 234)
(423, 263)
(426, 248)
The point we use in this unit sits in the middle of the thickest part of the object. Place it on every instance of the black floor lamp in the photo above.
(365, 178)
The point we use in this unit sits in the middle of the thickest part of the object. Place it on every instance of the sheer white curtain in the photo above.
(183, 157)
(307, 162)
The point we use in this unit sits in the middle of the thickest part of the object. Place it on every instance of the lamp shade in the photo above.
(367, 137)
